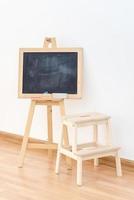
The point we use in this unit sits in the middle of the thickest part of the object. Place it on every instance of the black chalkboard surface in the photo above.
(49, 72)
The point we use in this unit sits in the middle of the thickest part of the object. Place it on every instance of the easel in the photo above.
(48, 43)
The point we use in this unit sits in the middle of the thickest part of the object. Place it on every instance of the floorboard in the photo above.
(38, 181)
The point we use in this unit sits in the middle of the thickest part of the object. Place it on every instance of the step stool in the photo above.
(91, 150)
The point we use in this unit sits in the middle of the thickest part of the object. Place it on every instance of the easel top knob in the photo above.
(50, 42)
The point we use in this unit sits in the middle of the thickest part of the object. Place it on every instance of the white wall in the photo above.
(104, 28)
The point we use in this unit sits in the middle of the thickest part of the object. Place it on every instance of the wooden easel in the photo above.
(48, 43)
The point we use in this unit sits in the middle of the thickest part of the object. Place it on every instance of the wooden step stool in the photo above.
(89, 150)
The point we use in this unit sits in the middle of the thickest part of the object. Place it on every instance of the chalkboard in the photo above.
(50, 72)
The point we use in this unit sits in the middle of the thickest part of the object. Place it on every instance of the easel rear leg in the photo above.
(50, 131)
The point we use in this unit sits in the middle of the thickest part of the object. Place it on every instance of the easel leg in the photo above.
(57, 170)
(65, 134)
(50, 131)
(26, 134)
(95, 139)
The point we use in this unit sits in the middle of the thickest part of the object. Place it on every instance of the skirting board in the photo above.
(109, 161)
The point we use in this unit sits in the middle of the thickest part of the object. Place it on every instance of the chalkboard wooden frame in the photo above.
(50, 96)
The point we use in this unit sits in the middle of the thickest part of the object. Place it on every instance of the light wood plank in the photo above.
(37, 181)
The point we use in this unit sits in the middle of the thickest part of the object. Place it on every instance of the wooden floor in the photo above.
(37, 180)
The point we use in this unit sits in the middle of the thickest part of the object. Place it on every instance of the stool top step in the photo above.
(80, 119)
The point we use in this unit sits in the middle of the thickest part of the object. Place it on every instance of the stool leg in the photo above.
(118, 165)
(26, 134)
(96, 162)
(108, 139)
(74, 142)
(95, 140)
(79, 172)
(57, 170)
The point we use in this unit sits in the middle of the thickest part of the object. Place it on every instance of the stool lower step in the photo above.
(92, 151)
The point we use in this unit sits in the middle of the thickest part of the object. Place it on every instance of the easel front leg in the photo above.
(62, 112)
(26, 134)
(65, 134)
(59, 152)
